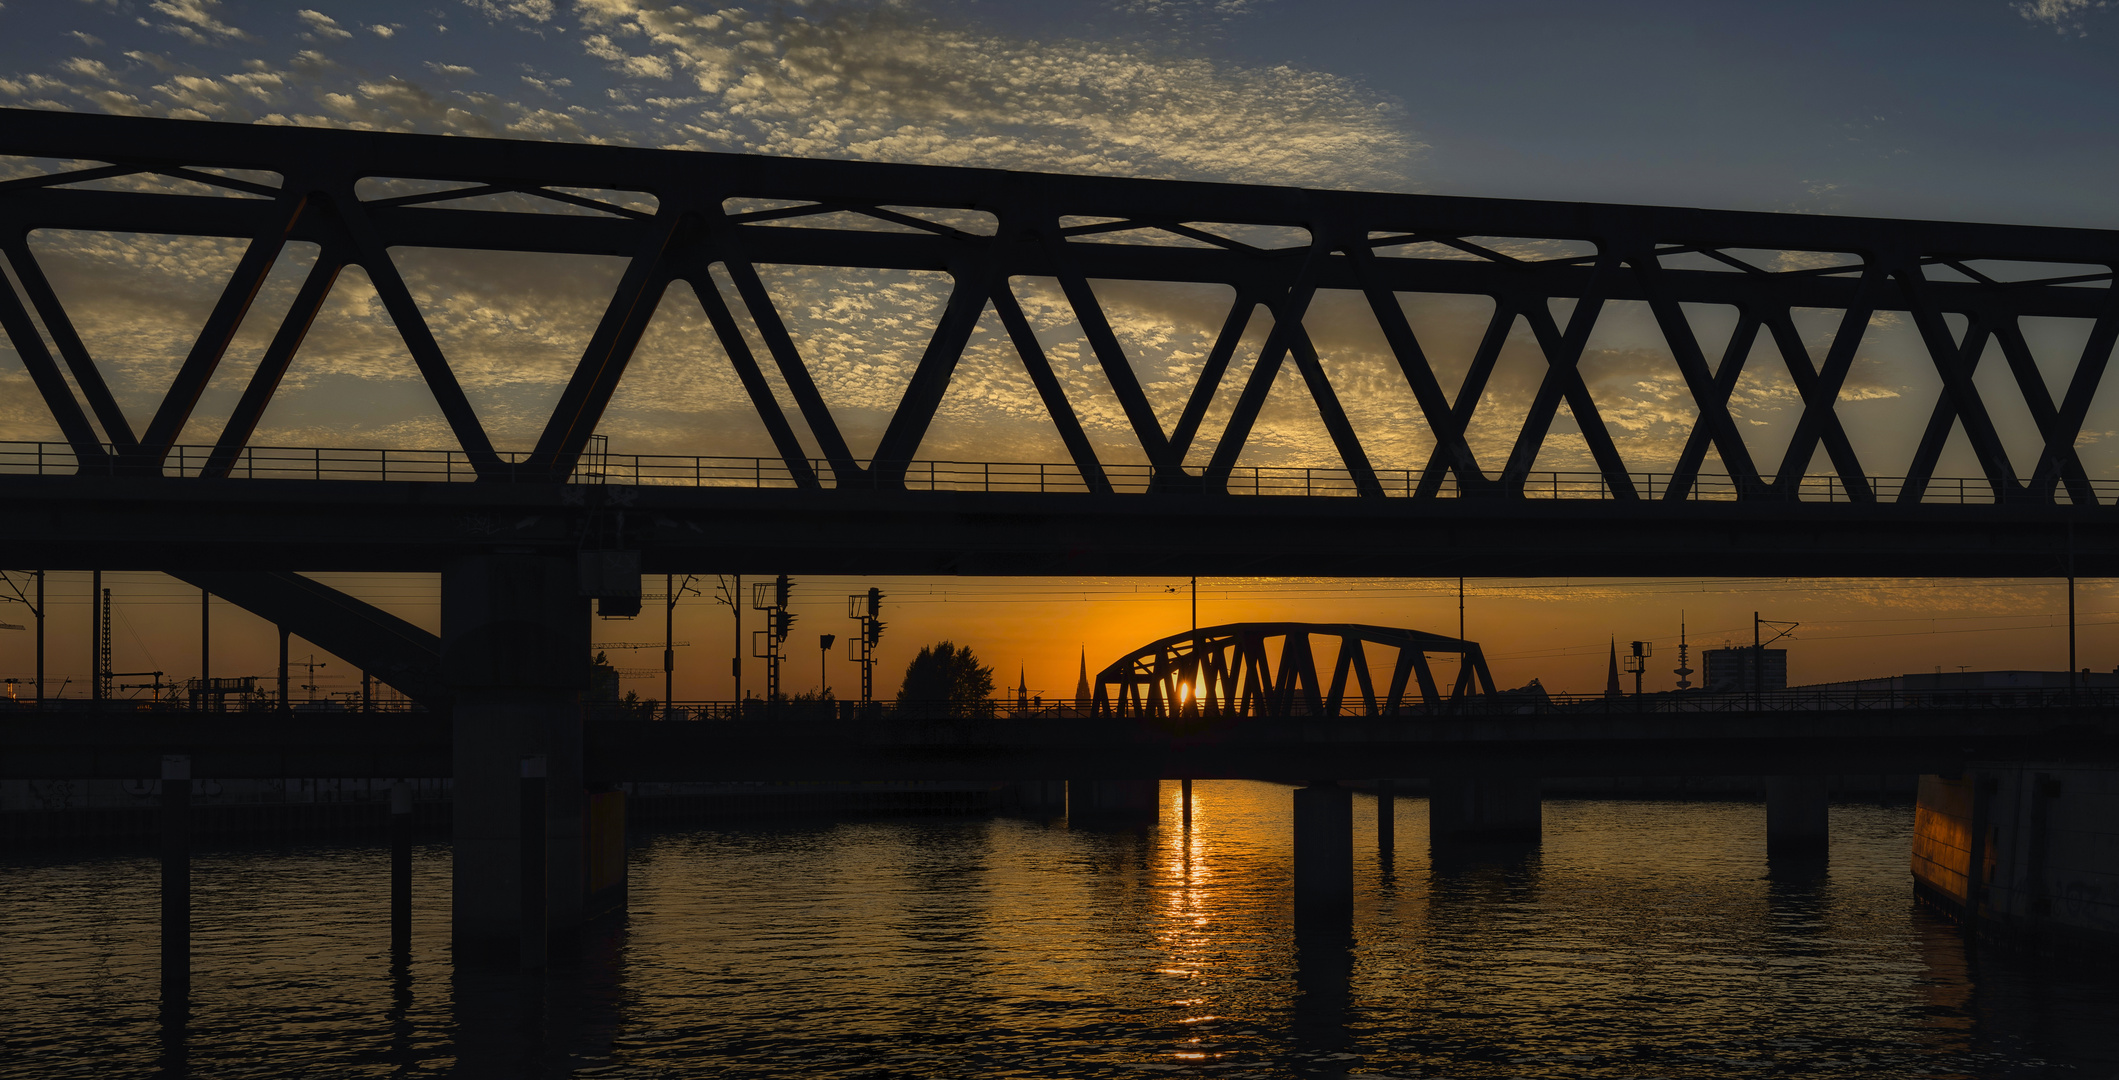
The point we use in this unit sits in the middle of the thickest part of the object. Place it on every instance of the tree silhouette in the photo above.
(948, 680)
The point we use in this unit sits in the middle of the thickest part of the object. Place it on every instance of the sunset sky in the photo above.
(1985, 110)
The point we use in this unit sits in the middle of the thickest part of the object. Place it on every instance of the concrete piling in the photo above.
(176, 874)
(1485, 810)
(515, 642)
(1796, 816)
(1324, 854)
(1184, 788)
(535, 932)
(401, 867)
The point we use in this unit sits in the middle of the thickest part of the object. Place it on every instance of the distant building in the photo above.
(1729, 669)
(2006, 680)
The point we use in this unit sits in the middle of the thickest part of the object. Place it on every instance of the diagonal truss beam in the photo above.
(1563, 379)
(610, 349)
(213, 340)
(1048, 387)
(700, 276)
(45, 301)
(272, 367)
(50, 382)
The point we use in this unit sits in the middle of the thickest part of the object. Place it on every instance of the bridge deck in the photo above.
(1825, 742)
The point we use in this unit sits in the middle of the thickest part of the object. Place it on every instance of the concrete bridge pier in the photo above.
(515, 644)
(1485, 810)
(1796, 816)
(1324, 854)
(1112, 801)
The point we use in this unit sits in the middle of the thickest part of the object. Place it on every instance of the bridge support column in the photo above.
(1485, 809)
(515, 643)
(400, 869)
(1324, 854)
(1112, 801)
(1796, 816)
(176, 876)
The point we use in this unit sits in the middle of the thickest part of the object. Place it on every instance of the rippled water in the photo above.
(1640, 939)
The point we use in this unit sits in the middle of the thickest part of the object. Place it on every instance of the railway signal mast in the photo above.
(773, 601)
(871, 632)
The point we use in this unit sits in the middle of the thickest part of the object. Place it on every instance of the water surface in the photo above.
(1639, 939)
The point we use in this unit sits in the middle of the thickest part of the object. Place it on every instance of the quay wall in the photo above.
(2024, 852)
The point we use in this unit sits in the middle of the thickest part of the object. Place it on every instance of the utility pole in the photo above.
(729, 590)
(670, 592)
(1758, 653)
(1460, 607)
(1195, 605)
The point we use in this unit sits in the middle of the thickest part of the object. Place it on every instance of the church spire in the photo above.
(1081, 685)
(1611, 683)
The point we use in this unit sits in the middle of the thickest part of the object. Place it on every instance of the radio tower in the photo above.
(1683, 670)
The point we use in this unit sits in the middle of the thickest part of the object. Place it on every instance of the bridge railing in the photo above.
(702, 471)
(1505, 704)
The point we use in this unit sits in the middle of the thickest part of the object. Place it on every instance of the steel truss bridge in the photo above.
(117, 495)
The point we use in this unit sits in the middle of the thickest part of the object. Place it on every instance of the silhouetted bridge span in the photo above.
(678, 216)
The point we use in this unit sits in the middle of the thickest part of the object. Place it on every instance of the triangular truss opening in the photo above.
(682, 396)
(1290, 451)
(1765, 404)
(993, 421)
(1167, 332)
(514, 326)
(860, 333)
(1565, 468)
(354, 354)
(1640, 394)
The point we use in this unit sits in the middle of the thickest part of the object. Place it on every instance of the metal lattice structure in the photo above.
(987, 229)
(1231, 670)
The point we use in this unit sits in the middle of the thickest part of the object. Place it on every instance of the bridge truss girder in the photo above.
(1228, 670)
(1882, 266)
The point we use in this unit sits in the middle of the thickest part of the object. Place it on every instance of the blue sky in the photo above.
(1983, 109)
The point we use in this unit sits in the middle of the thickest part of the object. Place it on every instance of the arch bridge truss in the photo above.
(679, 216)
(1271, 669)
